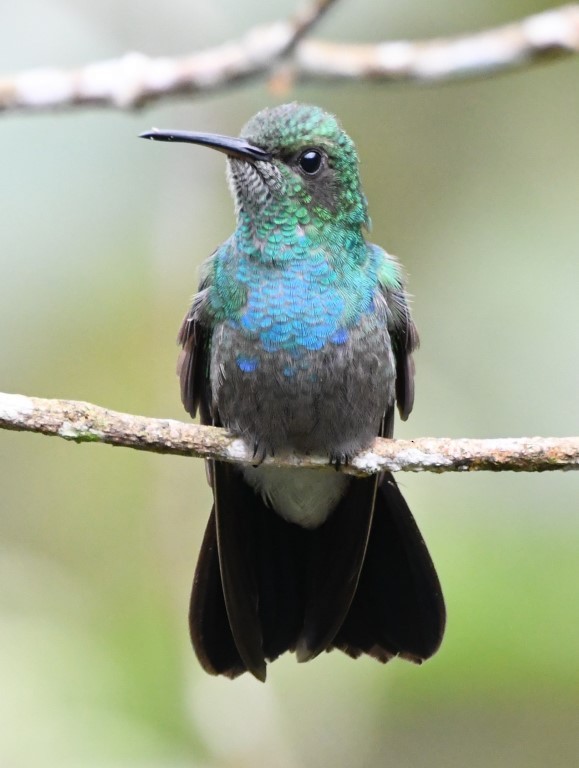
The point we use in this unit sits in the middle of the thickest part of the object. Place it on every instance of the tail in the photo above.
(398, 608)
(363, 582)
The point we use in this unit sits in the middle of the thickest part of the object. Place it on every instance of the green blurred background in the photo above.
(475, 186)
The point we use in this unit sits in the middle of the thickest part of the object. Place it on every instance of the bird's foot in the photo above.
(338, 460)
(260, 453)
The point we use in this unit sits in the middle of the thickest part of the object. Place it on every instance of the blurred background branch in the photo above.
(84, 422)
(136, 79)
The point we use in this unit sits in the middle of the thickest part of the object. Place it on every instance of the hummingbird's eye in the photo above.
(310, 161)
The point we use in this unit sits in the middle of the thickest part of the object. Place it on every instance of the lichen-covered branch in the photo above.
(136, 79)
(83, 422)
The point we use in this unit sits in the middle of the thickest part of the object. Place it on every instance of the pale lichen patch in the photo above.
(237, 449)
(421, 460)
(14, 407)
(369, 462)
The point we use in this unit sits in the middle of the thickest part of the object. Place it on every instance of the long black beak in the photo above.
(228, 144)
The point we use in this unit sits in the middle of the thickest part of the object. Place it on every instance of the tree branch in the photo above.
(136, 79)
(83, 422)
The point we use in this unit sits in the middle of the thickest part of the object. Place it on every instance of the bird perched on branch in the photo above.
(300, 339)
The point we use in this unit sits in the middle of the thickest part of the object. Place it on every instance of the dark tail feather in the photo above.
(398, 608)
(247, 598)
(208, 622)
(264, 586)
(336, 555)
(236, 507)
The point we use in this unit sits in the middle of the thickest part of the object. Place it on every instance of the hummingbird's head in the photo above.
(293, 161)
(313, 164)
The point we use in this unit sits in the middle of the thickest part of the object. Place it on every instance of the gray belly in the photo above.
(329, 401)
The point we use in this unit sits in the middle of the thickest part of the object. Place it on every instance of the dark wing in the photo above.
(403, 333)
(404, 338)
(193, 364)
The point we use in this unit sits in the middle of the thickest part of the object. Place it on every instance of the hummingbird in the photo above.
(300, 338)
